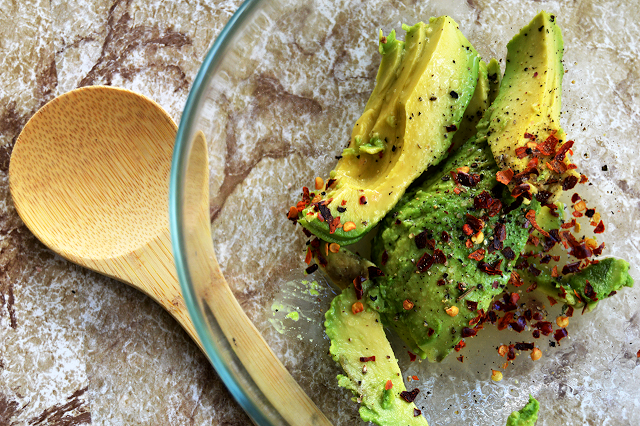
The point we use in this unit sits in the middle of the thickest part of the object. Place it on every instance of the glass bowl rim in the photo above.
(180, 158)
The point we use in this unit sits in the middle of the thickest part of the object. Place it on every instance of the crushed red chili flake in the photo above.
(384, 258)
(467, 229)
(469, 180)
(375, 272)
(552, 301)
(562, 151)
(325, 212)
(533, 240)
(521, 152)
(334, 224)
(545, 259)
(589, 291)
(457, 191)
(311, 269)
(560, 334)
(439, 256)
(599, 229)
(430, 332)
(471, 305)
(495, 207)
(511, 354)
(461, 344)
(581, 251)
(504, 176)
(388, 385)
(482, 200)
(330, 183)
(490, 269)
(468, 332)
(598, 251)
(534, 271)
(531, 216)
(569, 312)
(421, 239)
(412, 356)
(569, 182)
(445, 237)
(357, 285)
(460, 358)
(522, 346)
(538, 316)
(521, 190)
(570, 268)
(515, 279)
(407, 305)
(532, 287)
(508, 253)
(548, 147)
(441, 282)
(416, 412)
(536, 334)
(477, 255)
(363, 200)
(425, 262)
(307, 258)
(543, 196)
(468, 244)
(367, 358)
(545, 327)
(575, 198)
(500, 232)
(520, 324)
(410, 396)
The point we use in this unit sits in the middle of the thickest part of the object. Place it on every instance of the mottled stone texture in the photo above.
(77, 348)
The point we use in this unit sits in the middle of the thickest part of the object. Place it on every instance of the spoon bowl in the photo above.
(89, 176)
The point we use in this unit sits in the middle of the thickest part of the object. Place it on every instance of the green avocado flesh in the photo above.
(529, 111)
(422, 89)
(527, 416)
(355, 338)
(428, 213)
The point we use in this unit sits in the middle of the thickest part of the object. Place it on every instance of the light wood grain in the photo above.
(89, 177)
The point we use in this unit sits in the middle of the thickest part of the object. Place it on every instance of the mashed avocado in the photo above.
(527, 416)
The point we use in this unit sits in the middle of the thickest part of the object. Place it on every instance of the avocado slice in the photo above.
(522, 125)
(423, 88)
(526, 416)
(359, 344)
(477, 106)
(437, 278)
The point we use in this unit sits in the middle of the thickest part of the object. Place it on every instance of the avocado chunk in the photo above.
(360, 346)
(423, 88)
(445, 250)
(526, 416)
(522, 125)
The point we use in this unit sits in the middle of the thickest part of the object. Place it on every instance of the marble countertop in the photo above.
(75, 347)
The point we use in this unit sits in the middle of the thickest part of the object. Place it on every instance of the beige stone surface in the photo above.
(77, 348)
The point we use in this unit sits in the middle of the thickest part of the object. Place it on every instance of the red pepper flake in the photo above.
(583, 179)
(416, 412)
(330, 183)
(477, 255)
(569, 183)
(523, 346)
(421, 240)
(457, 190)
(570, 268)
(575, 198)
(311, 269)
(461, 344)
(460, 358)
(552, 301)
(384, 258)
(430, 332)
(531, 216)
(521, 152)
(441, 282)
(367, 358)
(293, 213)
(533, 240)
(569, 312)
(548, 147)
(439, 256)
(490, 269)
(515, 279)
(425, 262)
(528, 135)
(445, 237)
(414, 378)
(545, 327)
(569, 225)
(467, 229)
(307, 258)
(357, 307)
(357, 285)
(521, 190)
(388, 385)
(468, 244)
(504, 176)
(508, 253)
(468, 332)
(471, 305)
(410, 396)
(543, 196)
(407, 305)
(495, 207)
(560, 334)
(554, 272)
(343, 203)
(375, 272)
(334, 224)
(469, 180)
(599, 229)
(560, 155)
(412, 356)
(589, 291)
(511, 355)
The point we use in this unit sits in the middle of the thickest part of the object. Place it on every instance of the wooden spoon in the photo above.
(89, 177)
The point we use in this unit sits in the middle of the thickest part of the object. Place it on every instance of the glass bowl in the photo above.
(276, 98)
